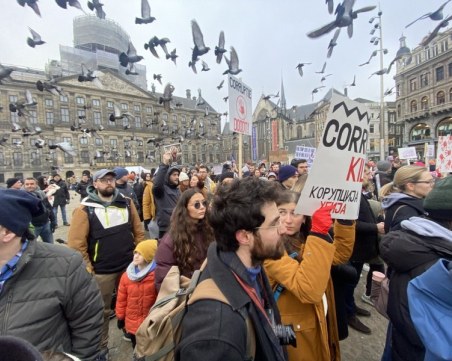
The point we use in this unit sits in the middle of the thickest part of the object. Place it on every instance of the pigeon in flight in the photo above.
(435, 15)
(36, 40)
(353, 82)
(167, 97)
(324, 77)
(151, 45)
(323, 69)
(31, 3)
(344, 18)
(146, 17)
(225, 99)
(220, 50)
(435, 32)
(205, 67)
(158, 77)
(374, 53)
(92, 76)
(388, 91)
(97, 6)
(74, 3)
(333, 43)
(65, 147)
(379, 72)
(192, 62)
(130, 57)
(316, 90)
(118, 115)
(300, 68)
(233, 64)
(330, 4)
(162, 42)
(5, 72)
(219, 86)
(49, 86)
(21, 105)
(173, 56)
(198, 40)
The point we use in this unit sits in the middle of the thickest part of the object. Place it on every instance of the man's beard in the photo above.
(107, 192)
(260, 252)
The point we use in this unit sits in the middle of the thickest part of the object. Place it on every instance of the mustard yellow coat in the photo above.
(305, 283)
(148, 202)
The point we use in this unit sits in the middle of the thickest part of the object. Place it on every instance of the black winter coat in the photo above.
(61, 196)
(166, 196)
(216, 331)
(409, 255)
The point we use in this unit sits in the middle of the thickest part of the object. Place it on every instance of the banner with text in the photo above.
(308, 153)
(335, 177)
(240, 107)
(444, 155)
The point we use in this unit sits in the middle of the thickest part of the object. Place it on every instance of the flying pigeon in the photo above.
(167, 97)
(388, 91)
(5, 72)
(162, 42)
(379, 72)
(20, 106)
(344, 18)
(31, 3)
(316, 90)
(97, 6)
(330, 4)
(118, 115)
(353, 82)
(219, 86)
(192, 62)
(130, 57)
(205, 67)
(16, 127)
(146, 17)
(40, 143)
(435, 32)
(436, 15)
(300, 68)
(374, 53)
(324, 77)
(65, 147)
(172, 55)
(333, 43)
(152, 44)
(198, 40)
(220, 50)
(233, 64)
(158, 77)
(36, 40)
(50, 86)
(91, 76)
(74, 3)
(323, 69)
(225, 99)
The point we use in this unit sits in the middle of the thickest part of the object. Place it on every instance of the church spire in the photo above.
(283, 98)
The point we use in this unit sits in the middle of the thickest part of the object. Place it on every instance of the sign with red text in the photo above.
(240, 107)
(335, 177)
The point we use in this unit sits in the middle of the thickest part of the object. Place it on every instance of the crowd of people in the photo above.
(293, 276)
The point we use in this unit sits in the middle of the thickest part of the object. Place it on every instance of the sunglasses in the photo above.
(198, 204)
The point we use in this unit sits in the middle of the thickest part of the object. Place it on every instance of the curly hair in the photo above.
(190, 237)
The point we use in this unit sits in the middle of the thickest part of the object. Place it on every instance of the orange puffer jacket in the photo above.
(134, 300)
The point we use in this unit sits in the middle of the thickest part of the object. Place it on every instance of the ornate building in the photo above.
(424, 92)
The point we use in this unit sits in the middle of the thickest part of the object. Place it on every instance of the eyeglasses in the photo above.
(198, 204)
(431, 182)
(106, 180)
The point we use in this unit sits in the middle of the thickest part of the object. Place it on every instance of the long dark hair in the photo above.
(186, 231)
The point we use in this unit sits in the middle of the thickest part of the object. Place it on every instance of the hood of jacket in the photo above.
(427, 228)
(403, 198)
(93, 197)
(171, 170)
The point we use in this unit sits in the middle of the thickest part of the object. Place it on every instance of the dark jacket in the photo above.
(127, 191)
(80, 188)
(166, 195)
(412, 207)
(45, 217)
(366, 239)
(216, 331)
(61, 196)
(410, 252)
(52, 302)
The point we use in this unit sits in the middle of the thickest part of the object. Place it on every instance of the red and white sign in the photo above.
(240, 107)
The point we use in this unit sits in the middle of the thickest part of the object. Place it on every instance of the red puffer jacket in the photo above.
(134, 300)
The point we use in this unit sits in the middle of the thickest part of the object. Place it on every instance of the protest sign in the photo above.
(240, 107)
(176, 153)
(407, 153)
(308, 153)
(444, 155)
(335, 177)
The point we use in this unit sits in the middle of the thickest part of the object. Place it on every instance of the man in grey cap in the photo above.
(105, 229)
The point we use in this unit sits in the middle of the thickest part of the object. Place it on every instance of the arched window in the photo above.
(424, 103)
(445, 127)
(440, 98)
(420, 131)
(413, 106)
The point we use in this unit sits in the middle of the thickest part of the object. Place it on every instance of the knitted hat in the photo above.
(120, 172)
(147, 249)
(383, 165)
(438, 203)
(17, 209)
(183, 176)
(11, 181)
(287, 171)
(14, 348)
(271, 174)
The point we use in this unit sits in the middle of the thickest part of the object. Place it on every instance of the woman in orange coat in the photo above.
(303, 273)
(136, 291)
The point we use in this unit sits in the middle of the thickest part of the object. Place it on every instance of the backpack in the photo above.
(160, 332)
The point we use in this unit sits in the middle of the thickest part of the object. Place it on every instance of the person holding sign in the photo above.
(301, 278)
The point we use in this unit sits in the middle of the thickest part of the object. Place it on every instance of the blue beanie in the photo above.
(286, 171)
(14, 348)
(17, 209)
(120, 172)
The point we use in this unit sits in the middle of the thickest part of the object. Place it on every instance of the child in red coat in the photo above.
(136, 291)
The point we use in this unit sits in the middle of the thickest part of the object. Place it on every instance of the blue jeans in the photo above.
(63, 213)
(45, 233)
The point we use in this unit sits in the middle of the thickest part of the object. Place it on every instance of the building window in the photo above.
(110, 104)
(48, 103)
(96, 103)
(81, 114)
(445, 127)
(424, 103)
(97, 118)
(420, 131)
(413, 106)
(83, 141)
(138, 122)
(148, 108)
(124, 106)
(440, 98)
(49, 118)
(371, 128)
(84, 156)
(33, 118)
(98, 141)
(80, 101)
(64, 99)
(413, 84)
(137, 107)
(444, 46)
(439, 73)
(424, 80)
(65, 115)
(68, 158)
(17, 159)
(113, 143)
(174, 118)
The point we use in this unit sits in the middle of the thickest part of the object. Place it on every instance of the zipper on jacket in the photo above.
(7, 309)
(96, 249)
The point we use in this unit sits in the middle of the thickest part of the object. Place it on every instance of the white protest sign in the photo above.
(308, 153)
(430, 151)
(240, 107)
(444, 155)
(336, 174)
(407, 153)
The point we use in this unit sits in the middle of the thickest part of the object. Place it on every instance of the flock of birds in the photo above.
(344, 17)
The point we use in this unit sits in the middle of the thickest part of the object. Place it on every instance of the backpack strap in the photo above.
(208, 290)
(279, 287)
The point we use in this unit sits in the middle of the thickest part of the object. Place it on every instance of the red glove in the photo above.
(321, 220)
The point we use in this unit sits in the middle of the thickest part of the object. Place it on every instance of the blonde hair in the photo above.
(403, 176)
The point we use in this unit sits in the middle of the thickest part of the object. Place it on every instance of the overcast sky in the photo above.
(269, 37)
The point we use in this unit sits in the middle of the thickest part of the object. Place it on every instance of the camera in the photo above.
(286, 335)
